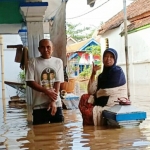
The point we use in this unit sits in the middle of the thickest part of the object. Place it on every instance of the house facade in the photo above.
(138, 26)
(77, 58)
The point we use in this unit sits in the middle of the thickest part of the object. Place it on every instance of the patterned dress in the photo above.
(86, 110)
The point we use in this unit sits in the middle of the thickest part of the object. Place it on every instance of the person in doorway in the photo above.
(104, 90)
(47, 106)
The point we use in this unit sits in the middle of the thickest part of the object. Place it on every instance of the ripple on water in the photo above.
(17, 134)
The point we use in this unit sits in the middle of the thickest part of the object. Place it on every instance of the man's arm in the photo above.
(50, 93)
(57, 87)
(52, 104)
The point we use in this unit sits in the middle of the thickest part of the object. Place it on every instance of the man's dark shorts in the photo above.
(42, 116)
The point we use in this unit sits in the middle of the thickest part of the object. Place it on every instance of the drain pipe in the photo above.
(2, 66)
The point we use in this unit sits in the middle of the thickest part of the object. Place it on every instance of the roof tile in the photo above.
(136, 8)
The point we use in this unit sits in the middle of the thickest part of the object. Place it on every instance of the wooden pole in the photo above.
(2, 78)
(15, 46)
(25, 58)
(126, 46)
(2, 66)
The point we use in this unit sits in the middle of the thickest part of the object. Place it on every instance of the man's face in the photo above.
(108, 59)
(45, 48)
(51, 75)
(45, 76)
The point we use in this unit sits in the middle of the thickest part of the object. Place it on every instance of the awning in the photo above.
(18, 86)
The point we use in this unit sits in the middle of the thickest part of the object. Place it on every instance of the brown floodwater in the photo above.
(17, 132)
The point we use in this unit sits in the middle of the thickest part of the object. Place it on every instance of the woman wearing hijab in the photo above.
(103, 92)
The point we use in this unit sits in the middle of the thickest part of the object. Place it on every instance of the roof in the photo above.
(70, 38)
(76, 46)
(73, 49)
(139, 23)
(79, 45)
(140, 8)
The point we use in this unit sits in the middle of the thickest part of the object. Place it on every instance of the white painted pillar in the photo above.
(35, 34)
(33, 15)
(2, 66)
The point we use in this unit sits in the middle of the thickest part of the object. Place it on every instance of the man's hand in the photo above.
(53, 108)
(51, 94)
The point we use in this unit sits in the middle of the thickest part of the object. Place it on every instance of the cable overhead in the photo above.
(89, 11)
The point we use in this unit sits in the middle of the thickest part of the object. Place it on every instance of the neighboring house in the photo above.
(138, 26)
(70, 41)
(74, 51)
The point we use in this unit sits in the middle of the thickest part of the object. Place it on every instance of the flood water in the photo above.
(17, 132)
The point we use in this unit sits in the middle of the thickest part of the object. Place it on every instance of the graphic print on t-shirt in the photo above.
(48, 78)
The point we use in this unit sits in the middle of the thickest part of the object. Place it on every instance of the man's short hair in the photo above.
(52, 71)
(40, 42)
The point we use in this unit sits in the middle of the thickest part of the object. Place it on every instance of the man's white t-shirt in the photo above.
(39, 70)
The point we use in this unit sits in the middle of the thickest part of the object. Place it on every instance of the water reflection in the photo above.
(17, 132)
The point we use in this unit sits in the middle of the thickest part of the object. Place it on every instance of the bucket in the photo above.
(68, 86)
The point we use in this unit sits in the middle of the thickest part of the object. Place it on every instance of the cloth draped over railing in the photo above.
(21, 55)
(57, 27)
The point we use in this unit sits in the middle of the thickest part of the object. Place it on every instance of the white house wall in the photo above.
(139, 53)
(11, 68)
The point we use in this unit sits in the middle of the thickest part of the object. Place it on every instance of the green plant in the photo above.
(77, 32)
(94, 49)
(71, 69)
(75, 68)
(21, 76)
(83, 86)
(86, 72)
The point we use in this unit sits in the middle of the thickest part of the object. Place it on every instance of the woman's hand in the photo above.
(95, 68)
(92, 81)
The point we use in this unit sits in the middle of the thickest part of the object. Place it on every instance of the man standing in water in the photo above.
(46, 104)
